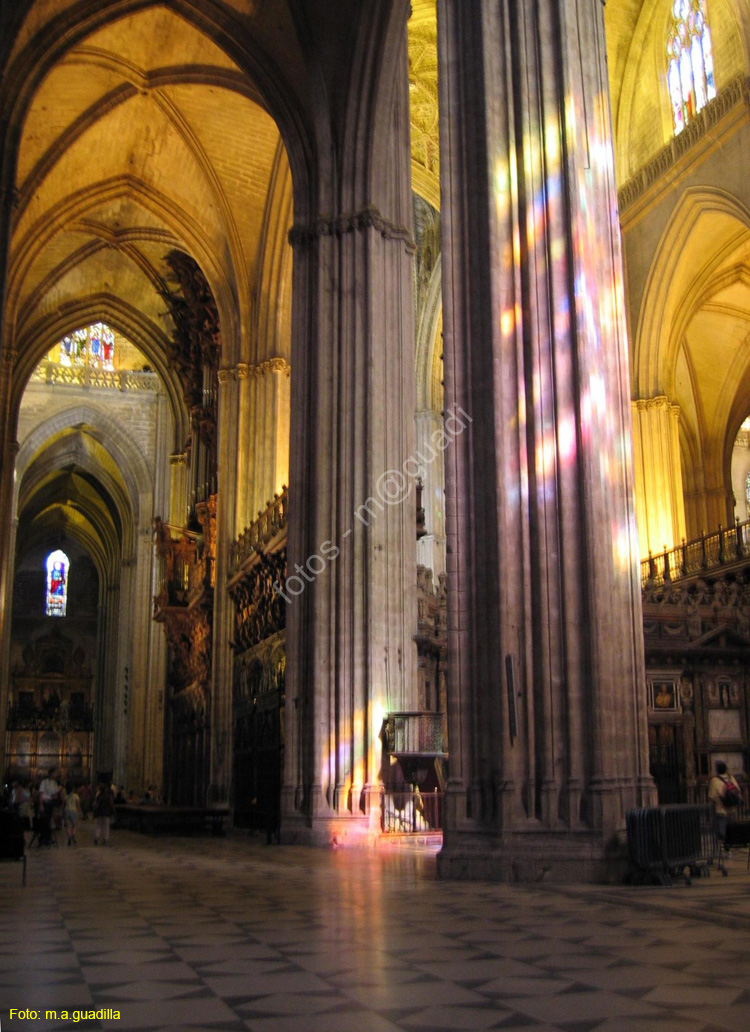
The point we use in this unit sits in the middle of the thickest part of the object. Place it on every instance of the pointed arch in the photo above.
(662, 313)
(126, 456)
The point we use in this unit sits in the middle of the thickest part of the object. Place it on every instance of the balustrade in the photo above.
(702, 554)
(91, 376)
(411, 812)
(255, 537)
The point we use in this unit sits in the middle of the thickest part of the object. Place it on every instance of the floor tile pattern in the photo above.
(230, 934)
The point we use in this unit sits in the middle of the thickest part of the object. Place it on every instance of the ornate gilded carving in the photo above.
(259, 610)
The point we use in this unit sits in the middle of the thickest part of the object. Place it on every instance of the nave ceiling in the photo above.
(145, 135)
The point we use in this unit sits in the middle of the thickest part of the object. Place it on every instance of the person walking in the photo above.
(49, 796)
(104, 811)
(725, 793)
(73, 812)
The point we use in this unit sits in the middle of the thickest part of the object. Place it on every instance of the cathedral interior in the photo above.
(375, 451)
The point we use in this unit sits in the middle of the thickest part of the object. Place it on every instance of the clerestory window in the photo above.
(690, 72)
(92, 346)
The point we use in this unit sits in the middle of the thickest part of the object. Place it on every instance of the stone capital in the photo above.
(274, 365)
(348, 222)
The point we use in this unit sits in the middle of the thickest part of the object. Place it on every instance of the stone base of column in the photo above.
(533, 855)
(337, 831)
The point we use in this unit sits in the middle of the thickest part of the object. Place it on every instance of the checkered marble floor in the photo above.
(233, 934)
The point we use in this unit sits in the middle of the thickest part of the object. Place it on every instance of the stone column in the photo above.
(351, 560)
(547, 696)
(231, 473)
(269, 433)
(431, 547)
(145, 669)
(243, 487)
(660, 503)
(8, 533)
(108, 675)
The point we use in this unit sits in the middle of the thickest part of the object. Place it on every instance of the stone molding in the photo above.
(178, 459)
(659, 401)
(736, 92)
(244, 371)
(366, 218)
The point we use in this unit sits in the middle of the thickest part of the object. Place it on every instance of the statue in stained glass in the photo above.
(92, 346)
(58, 567)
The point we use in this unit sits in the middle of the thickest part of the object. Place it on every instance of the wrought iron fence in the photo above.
(411, 812)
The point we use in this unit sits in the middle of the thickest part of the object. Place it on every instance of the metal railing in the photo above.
(260, 532)
(408, 813)
(702, 554)
(665, 842)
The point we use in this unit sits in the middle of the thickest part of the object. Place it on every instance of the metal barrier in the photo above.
(410, 812)
(665, 842)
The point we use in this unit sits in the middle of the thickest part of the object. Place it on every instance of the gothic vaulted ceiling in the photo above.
(143, 137)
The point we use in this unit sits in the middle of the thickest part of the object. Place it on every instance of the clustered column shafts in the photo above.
(351, 657)
(540, 522)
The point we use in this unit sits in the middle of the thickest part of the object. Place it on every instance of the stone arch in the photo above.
(126, 455)
(32, 57)
(137, 328)
(429, 346)
(738, 408)
(61, 454)
(156, 202)
(654, 352)
(273, 311)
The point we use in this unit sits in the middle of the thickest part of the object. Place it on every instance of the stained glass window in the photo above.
(690, 75)
(58, 567)
(92, 346)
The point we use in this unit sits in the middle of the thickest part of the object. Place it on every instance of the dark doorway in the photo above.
(667, 762)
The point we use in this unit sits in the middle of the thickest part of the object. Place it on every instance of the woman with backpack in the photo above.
(726, 795)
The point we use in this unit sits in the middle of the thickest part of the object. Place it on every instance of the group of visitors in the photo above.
(48, 807)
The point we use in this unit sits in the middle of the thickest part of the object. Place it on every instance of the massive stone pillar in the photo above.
(547, 717)
(350, 589)
(660, 505)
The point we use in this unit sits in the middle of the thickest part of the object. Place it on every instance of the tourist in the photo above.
(49, 797)
(725, 794)
(104, 811)
(20, 800)
(73, 812)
